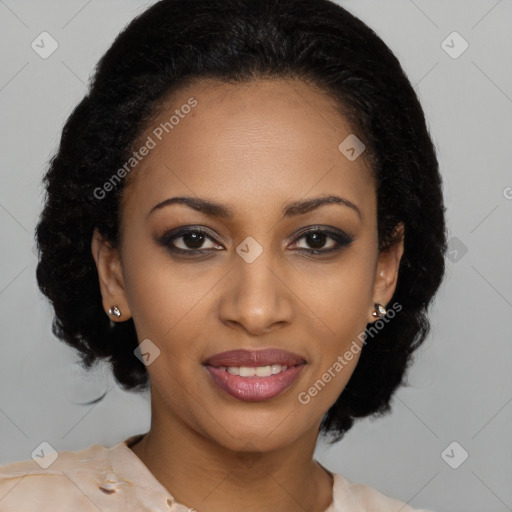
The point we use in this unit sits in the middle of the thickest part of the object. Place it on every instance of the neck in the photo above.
(204, 475)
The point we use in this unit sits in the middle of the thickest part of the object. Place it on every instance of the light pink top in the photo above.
(115, 479)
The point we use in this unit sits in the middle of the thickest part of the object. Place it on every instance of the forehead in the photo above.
(240, 143)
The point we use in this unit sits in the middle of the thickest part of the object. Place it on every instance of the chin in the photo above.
(253, 433)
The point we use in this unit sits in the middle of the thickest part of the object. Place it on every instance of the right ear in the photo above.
(110, 275)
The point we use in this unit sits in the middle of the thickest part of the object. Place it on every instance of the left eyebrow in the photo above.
(300, 207)
(214, 209)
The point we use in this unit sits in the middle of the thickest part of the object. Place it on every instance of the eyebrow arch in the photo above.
(223, 211)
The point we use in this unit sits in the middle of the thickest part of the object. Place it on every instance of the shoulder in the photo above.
(55, 481)
(364, 498)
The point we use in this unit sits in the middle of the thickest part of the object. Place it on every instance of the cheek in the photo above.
(168, 306)
(161, 294)
(347, 317)
(330, 376)
(342, 304)
(340, 296)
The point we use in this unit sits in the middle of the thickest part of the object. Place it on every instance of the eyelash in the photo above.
(342, 240)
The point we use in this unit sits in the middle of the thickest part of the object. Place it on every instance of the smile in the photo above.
(256, 375)
(259, 371)
(254, 388)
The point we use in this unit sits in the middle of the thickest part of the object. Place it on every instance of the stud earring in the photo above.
(114, 311)
(380, 310)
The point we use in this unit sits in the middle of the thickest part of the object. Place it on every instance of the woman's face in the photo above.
(250, 280)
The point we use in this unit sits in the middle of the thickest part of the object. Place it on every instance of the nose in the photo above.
(256, 297)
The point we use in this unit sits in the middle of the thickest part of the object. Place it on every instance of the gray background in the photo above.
(460, 388)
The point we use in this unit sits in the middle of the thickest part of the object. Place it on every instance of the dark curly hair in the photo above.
(175, 42)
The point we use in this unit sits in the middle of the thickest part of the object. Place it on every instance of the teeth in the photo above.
(245, 371)
(259, 371)
(263, 371)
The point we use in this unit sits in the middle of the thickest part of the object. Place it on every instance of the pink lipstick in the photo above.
(254, 375)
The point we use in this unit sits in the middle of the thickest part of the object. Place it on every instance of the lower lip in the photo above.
(254, 389)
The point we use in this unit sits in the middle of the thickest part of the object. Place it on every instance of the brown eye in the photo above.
(316, 239)
(192, 240)
(188, 240)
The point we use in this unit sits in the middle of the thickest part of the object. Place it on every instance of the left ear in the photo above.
(386, 274)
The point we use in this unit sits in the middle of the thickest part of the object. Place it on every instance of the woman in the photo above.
(245, 214)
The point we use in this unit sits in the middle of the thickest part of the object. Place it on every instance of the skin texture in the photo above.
(255, 147)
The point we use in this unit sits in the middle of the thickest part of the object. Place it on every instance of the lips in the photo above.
(226, 370)
(254, 358)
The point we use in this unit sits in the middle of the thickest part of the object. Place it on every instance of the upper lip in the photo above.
(254, 358)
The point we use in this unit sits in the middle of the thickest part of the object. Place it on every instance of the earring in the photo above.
(114, 311)
(380, 310)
